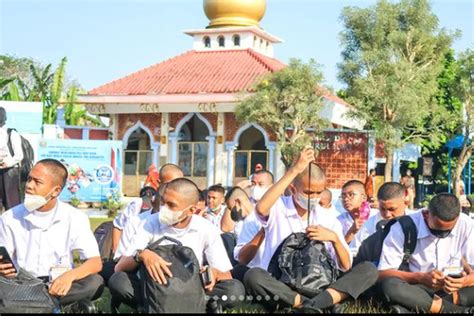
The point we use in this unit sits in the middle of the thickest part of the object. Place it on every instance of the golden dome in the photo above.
(227, 13)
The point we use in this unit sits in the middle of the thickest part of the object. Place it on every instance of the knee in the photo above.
(235, 288)
(253, 277)
(368, 271)
(116, 283)
(392, 288)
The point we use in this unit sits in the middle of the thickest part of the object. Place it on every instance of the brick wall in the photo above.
(99, 134)
(150, 120)
(343, 156)
(231, 126)
(72, 133)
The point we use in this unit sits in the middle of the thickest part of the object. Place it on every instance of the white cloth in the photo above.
(284, 220)
(216, 218)
(332, 211)
(430, 252)
(129, 231)
(347, 221)
(367, 229)
(132, 210)
(251, 226)
(8, 159)
(37, 247)
(200, 235)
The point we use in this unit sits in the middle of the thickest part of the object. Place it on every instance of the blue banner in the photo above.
(95, 167)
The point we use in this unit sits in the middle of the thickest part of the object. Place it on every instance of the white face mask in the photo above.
(303, 201)
(258, 192)
(169, 217)
(33, 202)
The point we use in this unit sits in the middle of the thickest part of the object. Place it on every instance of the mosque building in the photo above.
(181, 110)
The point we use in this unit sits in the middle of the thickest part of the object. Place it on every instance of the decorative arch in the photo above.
(247, 126)
(188, 117)
(132, 129)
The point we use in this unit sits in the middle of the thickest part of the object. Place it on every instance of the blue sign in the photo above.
(95, 166)
(25, 117)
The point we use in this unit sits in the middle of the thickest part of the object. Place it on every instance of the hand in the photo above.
(454, 284)
(432, 279)
(356, 226)
(211, 285)
(320, 233)
(62, 284)
(156, 266)
(305, 158)
(7, 269)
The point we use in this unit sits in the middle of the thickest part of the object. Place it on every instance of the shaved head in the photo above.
(355, 184)
(169, 172)
(187, 190)
(317, 175)
(236, 193)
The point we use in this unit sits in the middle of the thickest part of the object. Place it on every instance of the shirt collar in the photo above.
(57, 217)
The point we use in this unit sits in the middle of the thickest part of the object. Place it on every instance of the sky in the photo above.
(107, 39)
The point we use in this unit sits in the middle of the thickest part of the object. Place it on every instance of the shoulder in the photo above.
(73, 213)
(14, 214)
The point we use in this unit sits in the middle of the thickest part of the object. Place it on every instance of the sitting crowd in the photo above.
(237, 233)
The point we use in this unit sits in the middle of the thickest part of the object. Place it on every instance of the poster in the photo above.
(95, 167)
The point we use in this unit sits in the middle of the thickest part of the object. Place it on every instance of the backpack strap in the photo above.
(411, 233)
(9, 143)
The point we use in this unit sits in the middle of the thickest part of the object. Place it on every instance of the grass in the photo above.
(96, 221)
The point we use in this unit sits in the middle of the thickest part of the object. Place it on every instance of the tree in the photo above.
(393, 54)
(287, 104)
(465, 91)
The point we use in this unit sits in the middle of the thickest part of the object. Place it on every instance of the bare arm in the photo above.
(227, 224)
(116, 234)
(248, 252)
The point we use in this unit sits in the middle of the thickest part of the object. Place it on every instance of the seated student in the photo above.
(175, 219)
(215, 205)
(41, 234)
(352, 196)
(445, 240)
(262, 180)
(249, 246)
(392, 203)
(283, 215)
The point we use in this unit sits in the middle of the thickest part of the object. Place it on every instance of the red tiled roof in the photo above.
(195, 72)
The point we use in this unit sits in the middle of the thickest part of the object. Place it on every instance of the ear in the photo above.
(238, 202)
(292, 188)
(193, 210)
(56, 192)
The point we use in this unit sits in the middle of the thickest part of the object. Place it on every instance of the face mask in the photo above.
(236, 214)
(303, 201)
(438, 233)
(258, 192)
(169, 217)
(33, 202)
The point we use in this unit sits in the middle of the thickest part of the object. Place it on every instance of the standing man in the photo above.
(9, 165)
(369, 185)
(408, 181)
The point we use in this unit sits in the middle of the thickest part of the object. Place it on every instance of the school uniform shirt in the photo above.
(200, 235)
(347, 221)
(430, 252)
(132, 210)
(251, 226)
(367, 229)
(37, 241)
(283, 220)
(8, 159)
(216, 218)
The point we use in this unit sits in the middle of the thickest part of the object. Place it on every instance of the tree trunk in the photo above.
(388, 165)
(466, 153)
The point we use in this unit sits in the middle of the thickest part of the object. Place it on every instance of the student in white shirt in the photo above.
(352, 196)
(215, 205)
(175, 219)
(445, 240)
(41, 234)
(262, 180)
(281, 216)
(392, 199)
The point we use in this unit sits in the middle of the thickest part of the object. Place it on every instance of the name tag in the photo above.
(56, 271)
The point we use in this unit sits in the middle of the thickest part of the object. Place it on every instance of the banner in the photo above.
(95, 167)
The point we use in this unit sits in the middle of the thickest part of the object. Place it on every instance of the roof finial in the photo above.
(229, 13)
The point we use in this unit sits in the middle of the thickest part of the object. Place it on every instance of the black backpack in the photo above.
(26, 163)
(184, 292)
(103, 235)
(304, 265)
(25, 294)
(371, 248)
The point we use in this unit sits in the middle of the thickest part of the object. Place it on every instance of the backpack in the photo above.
(371, 248)
(304, 265)
(25, 294)
(26, 163)
(184, 292)
(103, 235)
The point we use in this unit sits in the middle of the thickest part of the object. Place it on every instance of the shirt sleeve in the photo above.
(17, 157)
(215, 252)
(83, 238)
(249, 229)
(6, 237)
(142, 238)
(272, 215)
(392, 249)
(468, 248)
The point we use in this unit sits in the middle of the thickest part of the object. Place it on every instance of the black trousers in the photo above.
(89, 288)
(239, 271)
(10, 187)
(107, 270)
(230, 241)
(272, 293)
(126, 288)
(418, 297)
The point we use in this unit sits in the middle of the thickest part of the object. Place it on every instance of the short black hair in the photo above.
(445, 206)
(267, 173)
(217, 188)
(148, 191)
(391, 190)
(57, 169)
(235, 191)
(202, 195)
(187, 189)
(356, 183)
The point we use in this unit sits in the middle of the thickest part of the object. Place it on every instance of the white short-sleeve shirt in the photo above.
(216, 218)
(132, 210)
(430, 252)
(200, 235)
(37, 247)
(251, 226)
(347, 221)
(129, 231)
(284, 220)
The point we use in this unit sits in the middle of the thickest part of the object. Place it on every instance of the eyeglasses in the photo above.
(349, 195)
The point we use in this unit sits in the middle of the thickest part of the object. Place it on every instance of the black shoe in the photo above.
(213, 307)
(399, 309)
(80, 307)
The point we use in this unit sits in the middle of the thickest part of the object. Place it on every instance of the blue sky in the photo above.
(107, 39)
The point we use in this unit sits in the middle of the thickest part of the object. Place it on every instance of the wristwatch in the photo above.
(136, 256)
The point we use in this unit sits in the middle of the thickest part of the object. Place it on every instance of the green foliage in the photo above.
(75, 201)
(287, 103)
(393, 55)
(113, 203)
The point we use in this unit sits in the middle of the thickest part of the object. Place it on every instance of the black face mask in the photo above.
(236, 214)
(438, 233)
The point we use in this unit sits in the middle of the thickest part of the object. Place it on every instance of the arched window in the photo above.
(221, 41)
(207, 41)
(255, 42)
(236, 40)
(250, 152)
